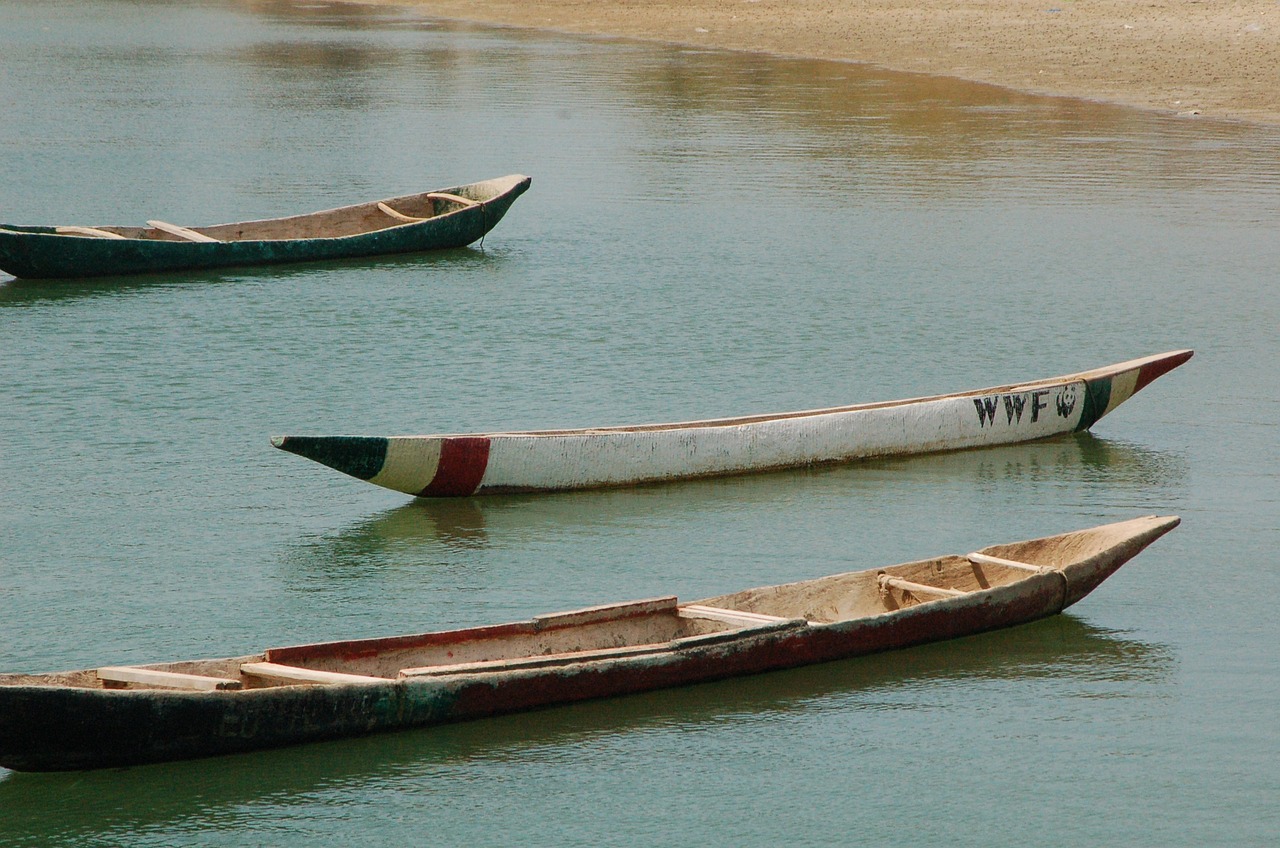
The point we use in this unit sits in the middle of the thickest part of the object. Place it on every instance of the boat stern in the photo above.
(360, 456)
(423, 466)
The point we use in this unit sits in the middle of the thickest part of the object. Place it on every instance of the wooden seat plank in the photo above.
(87, 231)
(399, 216)
(729, 616)
(167, 679)
(181, 232)
(298, 674)
(917, 588)
(456, 198)
(987, 559)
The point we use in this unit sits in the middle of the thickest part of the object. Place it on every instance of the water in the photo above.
(707, 234)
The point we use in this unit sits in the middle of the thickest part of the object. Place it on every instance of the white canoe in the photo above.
(557, 460)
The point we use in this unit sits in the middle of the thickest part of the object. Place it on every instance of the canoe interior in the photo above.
(332, 223)
(627, 629)
(858, 594)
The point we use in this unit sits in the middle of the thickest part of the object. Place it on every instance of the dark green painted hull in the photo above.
(97, 729)
(40, 253)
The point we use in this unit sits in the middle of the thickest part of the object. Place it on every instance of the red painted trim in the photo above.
(462, 464)
(1152, 370)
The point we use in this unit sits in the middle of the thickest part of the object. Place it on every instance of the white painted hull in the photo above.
(459, 465)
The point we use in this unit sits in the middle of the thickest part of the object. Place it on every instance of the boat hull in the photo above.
(496, 463)
(51, 727)
(42, 253)
(87, 729)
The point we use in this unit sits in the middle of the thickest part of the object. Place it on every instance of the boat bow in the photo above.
(1107, 388)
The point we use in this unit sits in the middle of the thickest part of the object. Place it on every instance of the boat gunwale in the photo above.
(735, 421)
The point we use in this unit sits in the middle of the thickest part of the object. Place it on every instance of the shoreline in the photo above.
(1216, 60)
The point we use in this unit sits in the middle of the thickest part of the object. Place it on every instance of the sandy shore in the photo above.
(1215, 58)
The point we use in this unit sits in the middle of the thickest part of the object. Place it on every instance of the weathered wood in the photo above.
(168, 679)
(456, 198)
(181, 232)
(399, 216)
(605, 612)
(345, 232)
(986, 559)
(741, 625)
(87, 231)
(737, 617)
(525, 663)
(69, 721)
(297, 674)
(917, 588)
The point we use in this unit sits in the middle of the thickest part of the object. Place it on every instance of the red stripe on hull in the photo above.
(1153, 370)
(462, 465)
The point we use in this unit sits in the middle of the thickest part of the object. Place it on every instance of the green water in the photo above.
(707, 234)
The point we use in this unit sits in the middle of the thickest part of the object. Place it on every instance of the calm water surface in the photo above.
(707, 234)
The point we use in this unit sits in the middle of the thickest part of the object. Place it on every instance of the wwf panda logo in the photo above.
(1067, 401)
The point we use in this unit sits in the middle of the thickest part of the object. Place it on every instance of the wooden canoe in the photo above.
(432, 220)
(438, 466)
(124, 715)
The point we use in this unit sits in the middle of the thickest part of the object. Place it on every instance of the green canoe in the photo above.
(432, 220)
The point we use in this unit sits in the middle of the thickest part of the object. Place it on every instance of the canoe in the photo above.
(432, 220)
(126, 715)
(437, 466)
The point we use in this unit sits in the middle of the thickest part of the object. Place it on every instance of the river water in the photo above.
(707, 234)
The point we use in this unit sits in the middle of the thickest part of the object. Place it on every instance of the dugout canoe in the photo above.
(440, 466)
(431, 220)
(126, 715)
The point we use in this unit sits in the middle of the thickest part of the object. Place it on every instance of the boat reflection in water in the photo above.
(431, 530)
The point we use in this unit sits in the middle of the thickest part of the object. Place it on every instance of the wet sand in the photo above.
(1208, 58)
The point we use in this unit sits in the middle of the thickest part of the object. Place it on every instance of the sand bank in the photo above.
(1215, 58)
